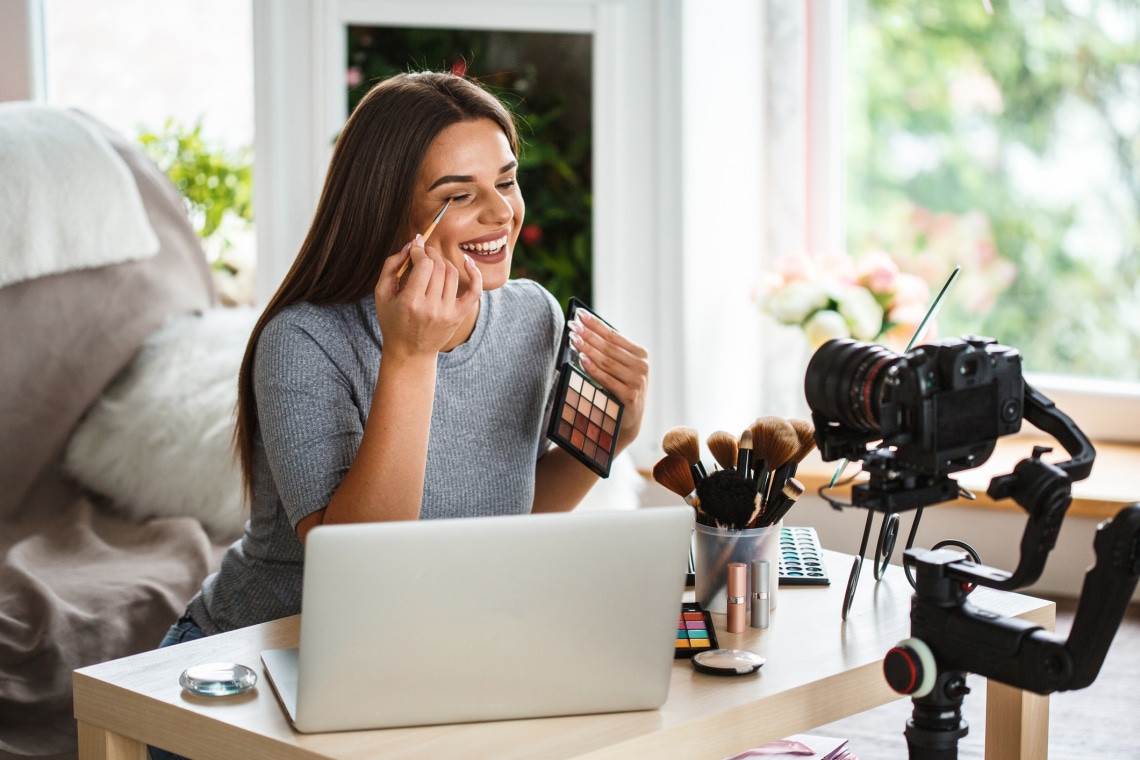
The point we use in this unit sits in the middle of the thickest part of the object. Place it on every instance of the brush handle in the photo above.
(780, 479)
(698, 470)
(744, 462)
(780, 506)
(762, 474)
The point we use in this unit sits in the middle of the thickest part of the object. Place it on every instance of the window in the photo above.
(1004, 141)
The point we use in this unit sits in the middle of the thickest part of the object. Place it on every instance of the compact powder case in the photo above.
(728, 662)
(586, 417)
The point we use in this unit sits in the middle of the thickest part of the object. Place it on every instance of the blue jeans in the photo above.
(184, 630)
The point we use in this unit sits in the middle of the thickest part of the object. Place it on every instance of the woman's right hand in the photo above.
(422, 315)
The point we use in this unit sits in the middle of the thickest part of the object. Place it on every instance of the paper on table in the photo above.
(801, 747)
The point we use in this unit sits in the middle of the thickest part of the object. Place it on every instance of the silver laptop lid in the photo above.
(447, 621)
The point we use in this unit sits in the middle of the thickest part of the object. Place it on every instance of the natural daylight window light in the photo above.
(1007, 142)
(188, 99)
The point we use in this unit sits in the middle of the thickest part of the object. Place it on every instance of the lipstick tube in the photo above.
(737, 596)
(761, 601)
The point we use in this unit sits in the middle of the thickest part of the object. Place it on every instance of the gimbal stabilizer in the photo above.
(951, 637)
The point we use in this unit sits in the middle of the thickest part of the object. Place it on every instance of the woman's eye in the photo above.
(461, 198)
(508, 184)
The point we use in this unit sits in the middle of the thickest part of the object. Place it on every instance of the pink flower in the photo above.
(354, 76)
(459, 68)
(877, 271)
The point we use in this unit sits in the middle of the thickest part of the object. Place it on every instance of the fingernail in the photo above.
(406, 248)
(419, 240)
(467, 260)
(574, 325)
(584, 315)
(586, 361)
(575, 338)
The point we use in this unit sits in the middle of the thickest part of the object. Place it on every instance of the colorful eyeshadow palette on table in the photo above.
(695, 632)
(586, 417)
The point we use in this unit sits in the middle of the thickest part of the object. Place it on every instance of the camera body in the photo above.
(938, 409)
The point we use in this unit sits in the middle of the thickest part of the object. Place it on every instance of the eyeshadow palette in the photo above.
(695, 632)
(801, 558)
(586, 417)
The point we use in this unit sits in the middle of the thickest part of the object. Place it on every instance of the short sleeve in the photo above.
(310, 423)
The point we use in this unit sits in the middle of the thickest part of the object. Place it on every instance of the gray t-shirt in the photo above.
(314, 374)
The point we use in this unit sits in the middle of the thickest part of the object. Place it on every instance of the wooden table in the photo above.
(819, 669)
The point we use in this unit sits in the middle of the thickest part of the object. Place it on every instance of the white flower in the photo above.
(862, 312)
(825, 325)
(792, 303)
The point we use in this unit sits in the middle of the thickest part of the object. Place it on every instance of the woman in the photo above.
(368, 396)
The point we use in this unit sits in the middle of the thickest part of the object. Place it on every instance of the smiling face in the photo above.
(471, 163)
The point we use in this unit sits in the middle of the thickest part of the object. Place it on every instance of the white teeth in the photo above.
(485, 248)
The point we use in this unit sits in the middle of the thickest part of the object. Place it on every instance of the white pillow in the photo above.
(158, 442)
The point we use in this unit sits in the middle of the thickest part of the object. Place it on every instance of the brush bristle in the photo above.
(723, 448)
(673, 472)
(805, 432)
(727, 498)
(793, 489)
(775, 440)
(684, 441)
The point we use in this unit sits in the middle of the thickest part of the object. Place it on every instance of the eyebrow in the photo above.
(452, 178)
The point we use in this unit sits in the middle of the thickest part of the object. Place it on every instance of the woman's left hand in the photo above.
(618, 364)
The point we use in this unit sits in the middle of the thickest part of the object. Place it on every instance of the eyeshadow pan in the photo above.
(584, 406)
(605, 440)
(588, 392)
(592, 432)
(564, 429)
(612, 407)
(577, 439)
(575, 381)
(596, 415)
(608, 425)
(568, 413)
(572, 397)
(581, 423)
(590, 449)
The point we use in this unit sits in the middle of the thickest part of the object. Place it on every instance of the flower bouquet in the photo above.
(838, 296)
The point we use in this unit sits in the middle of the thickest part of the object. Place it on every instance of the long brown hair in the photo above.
(365, 208)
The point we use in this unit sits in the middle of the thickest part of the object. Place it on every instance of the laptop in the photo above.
(486, 618)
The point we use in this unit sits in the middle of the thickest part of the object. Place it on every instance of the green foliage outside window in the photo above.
(214, 181)
(960, 115)
(554, 168)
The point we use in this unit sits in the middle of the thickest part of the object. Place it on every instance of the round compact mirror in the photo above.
(728, 662)
(217, 679)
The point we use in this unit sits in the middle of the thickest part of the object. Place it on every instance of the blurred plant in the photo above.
(555, 162)
(1021, 124)
(215, 183)
(837, 296)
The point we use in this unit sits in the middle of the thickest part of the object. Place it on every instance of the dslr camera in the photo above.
(936, 410)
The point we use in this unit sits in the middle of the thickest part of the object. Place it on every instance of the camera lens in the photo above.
(844, 382)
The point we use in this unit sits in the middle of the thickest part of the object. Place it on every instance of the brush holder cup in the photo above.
(715, 548)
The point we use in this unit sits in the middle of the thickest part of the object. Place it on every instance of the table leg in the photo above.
(1017, 723)
(99, 744)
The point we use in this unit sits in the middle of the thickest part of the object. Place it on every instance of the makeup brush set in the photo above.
(755, 484)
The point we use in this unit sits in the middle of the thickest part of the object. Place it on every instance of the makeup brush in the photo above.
(427, 233)
(783, 502)
(805, 431)
(775, 441)
(683, 440)
(723, 448)
(727, 498)
(672, 471)
(805, 434)
(744, 455)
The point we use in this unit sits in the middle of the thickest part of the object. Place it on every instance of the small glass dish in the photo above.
(217, 679)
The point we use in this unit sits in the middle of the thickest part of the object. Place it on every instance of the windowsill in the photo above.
(1112, 485)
